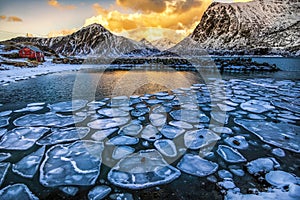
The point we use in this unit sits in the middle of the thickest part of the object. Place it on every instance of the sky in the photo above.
(136, 19)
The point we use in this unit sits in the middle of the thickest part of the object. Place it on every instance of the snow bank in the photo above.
(13, 74)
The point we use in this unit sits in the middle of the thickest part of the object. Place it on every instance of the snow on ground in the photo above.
(13, 74)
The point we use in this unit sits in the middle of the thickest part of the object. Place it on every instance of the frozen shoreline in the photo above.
(13, 74)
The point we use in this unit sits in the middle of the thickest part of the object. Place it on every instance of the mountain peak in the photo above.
(93, 40)
(95, 26)
(270, 25)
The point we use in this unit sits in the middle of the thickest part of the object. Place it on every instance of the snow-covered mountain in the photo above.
(256, 27)
(92, 40)
(147, 43)
(163, 43)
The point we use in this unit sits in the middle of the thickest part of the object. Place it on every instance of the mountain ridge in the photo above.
(92, 40)
(256, 27)
(259, 27)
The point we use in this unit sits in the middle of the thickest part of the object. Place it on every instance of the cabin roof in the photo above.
(34, 48)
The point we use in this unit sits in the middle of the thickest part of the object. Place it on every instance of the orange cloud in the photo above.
(61, 32)
(2, 17)
(56, 4)
(14, 19)
(11, 18)
(145, 5)
(180, 16)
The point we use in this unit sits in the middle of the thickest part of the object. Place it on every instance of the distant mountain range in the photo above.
(260, 27)
(92, 40)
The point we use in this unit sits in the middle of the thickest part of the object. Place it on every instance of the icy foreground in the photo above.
(77, 163)
(14, 74)
(142, 170)
(249, 132)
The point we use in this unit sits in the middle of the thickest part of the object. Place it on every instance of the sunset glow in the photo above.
(130, 18)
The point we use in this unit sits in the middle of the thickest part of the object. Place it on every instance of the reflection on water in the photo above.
(118, 83)
(93, 84)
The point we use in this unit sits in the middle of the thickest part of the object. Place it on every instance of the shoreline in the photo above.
(14, 74)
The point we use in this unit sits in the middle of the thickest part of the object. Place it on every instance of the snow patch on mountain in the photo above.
(93, 40)
(257, 27)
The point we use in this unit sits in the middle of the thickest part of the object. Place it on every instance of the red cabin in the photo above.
(31, 52)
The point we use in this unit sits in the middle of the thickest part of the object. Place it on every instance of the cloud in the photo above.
(11, 18)
(61, 32)
(145, 5)
(2, 17)
(14, 19)
(152, 34)
(56, 4)
(152, 19)
(181, 16)
(99, 9)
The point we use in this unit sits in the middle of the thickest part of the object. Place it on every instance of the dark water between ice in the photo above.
(93, 84)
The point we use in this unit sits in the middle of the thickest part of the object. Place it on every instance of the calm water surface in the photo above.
(94, 84)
